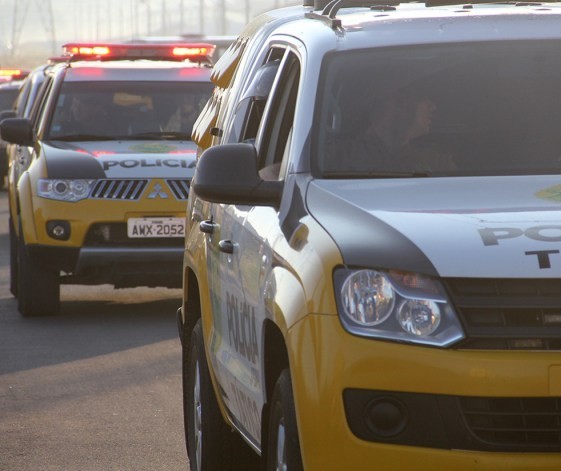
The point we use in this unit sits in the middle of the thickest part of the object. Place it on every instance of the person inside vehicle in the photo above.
(185, 116)
(413, 152)
(86, 115)
(390, 140)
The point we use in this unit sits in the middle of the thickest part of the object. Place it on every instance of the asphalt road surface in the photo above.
(97, 387)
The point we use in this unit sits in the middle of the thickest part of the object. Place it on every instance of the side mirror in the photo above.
(17, 131)
(228, 174)
(7, 114)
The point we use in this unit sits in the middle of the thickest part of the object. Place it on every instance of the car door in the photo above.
(23, 155)
(240, 258)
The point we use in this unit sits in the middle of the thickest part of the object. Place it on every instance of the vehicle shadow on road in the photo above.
(93, 321)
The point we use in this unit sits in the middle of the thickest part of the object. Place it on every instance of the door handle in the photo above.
(226, 246)
(208, 226)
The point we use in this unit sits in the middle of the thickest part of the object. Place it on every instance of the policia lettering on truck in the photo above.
(145, 163)
(493, 236)
(242, 332)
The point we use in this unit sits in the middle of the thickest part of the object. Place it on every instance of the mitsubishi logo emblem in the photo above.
(158, 192)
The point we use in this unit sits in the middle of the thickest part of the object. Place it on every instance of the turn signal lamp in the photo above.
(196, 52)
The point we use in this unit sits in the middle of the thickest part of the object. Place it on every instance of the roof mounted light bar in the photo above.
(13, 74)
(195, 52)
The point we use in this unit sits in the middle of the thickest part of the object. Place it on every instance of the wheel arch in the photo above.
(276, 360)
(24, 207)
(191, 308)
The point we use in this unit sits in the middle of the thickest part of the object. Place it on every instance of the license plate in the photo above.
(156, 227)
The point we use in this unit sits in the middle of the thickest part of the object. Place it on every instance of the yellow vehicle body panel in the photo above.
(326, 360)
(82, 214)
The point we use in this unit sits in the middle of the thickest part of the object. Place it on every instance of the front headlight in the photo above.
(394, 305)
(64, 190)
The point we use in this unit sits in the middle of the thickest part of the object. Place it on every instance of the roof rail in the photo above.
(322, 4)
(331, 7)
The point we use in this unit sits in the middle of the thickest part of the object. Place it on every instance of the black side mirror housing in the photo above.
(228, 174)
(17, 131)
(7, 114)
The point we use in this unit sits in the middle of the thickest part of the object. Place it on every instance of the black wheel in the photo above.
(211, 444)
(13, 259)
(283, 445)
(38, 284)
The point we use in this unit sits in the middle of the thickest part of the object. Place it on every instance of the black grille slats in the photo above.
(119, 189)
(510, 314)
(523, 422)
(131, 189)
(179, 188)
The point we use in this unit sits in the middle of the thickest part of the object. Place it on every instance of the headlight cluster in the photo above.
(395, 305)
(64, 190)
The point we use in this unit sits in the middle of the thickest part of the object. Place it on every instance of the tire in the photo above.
(283, 445)
(38, 284)
(211, 444)
(13, 260)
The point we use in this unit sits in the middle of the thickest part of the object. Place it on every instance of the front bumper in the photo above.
(97, 249)
(122, 266)
(437, 406)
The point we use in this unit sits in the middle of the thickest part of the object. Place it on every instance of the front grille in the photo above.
(115, 235)
(508, 314)
(179, 188)
(518, 422)
(118, 189)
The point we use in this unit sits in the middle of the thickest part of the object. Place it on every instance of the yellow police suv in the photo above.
(372, 274)
(100, 171)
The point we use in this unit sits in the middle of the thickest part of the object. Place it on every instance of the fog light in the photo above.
(386, 417)
(59, 230)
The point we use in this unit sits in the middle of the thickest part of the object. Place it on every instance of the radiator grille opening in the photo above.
(509, 314)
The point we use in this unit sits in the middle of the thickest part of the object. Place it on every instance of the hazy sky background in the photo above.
(91, 20)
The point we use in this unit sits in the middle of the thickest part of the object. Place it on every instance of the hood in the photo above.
(486, 227)
(120, 159)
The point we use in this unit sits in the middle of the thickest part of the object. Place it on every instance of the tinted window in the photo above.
(7, 98)
(127, 110)
(459, 109)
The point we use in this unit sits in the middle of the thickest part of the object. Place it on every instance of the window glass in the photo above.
(275, 134)
(455, 109)
(7, 98)
(251, 107)
(127, 110)
(22, 97)
(40, 102)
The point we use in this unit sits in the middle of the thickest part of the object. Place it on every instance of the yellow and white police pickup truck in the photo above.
(100, 173)
(379, 287)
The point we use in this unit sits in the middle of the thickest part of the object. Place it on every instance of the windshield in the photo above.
(455, 109)
(127, 110)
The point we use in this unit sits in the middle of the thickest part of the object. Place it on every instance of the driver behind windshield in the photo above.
(127, 110)
(86, 115)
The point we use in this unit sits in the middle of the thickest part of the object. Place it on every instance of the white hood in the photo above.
(499, 227)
